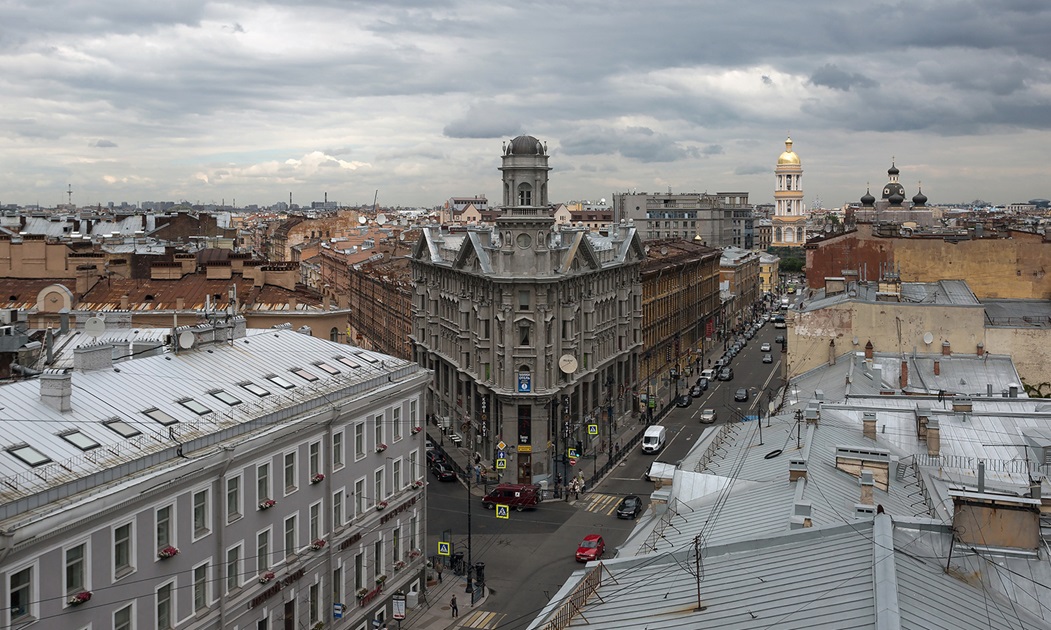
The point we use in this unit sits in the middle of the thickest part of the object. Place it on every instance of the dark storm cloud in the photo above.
(484, 120)
(831, 76)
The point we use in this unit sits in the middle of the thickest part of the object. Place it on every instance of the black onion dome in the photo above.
(893, 170)
(920, 199)
(526, 145)
(895, 199)
(867, 199)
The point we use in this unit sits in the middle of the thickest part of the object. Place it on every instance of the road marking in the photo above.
(482, 619)
(602, 503)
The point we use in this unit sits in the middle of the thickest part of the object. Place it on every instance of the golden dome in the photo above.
(789, 156)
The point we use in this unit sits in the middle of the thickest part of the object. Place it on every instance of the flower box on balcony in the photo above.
(167, 552)
(399, 565)
(416, 430)
(419, 483)
(380, 448)
(382, 505)
(267, 504)
(317, 544)
(317, 478)
(380, 579)
(362, 592)
(80, 598)
(415, 553)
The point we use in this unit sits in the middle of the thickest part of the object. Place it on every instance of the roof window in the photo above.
(328, 368)
(227, 397)
(347, 361)
(29, 455)
(122, 428)
(160, 416)
(255, 389)
(280, 382)
(79, 440)
(190, 404)
(303, 374)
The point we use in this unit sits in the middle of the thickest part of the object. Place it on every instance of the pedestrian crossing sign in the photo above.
(501, 463)
(503, 511)
(592, 429)
(445, 549)
(572, 453)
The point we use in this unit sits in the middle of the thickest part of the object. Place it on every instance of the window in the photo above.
(378, 550)
(314, 456)
(280, 382)
(361, 501)
(122, 551)
(347, 361)
(200, 587)
(290, 535)
(76, 569)
(337, 450)
(160, 416)
(359, 571)
(359, 440)
(413, 417)
(303, 374)
(314, 602)
(262, 550)
(122, 428)
(233, 568)
(337, 508)
(190, 404)
(233, 498)
(255, 389)
(164, 527)
(328, 368)
(396, 479)
(164, 606)
(337, 584)
(201, 524)
(523, 300)
(29, 455)
(262, 482)
(377, 485)
(414, 466)
(523, 335)
(290, 472)
(396, 543)
(397, 424)
(227, 397)
(20, 589)
(122, 618)
(413, 525)
(315, 521)
(79, 440)
(378, 430)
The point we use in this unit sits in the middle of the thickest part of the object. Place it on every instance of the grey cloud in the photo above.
(712, 149)
(483, 120)
(767, 80)
(831, 76)
(752, 170)
(103, 144)
(639, 143)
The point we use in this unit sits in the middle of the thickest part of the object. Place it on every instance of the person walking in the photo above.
(452, 604)
(438, 570)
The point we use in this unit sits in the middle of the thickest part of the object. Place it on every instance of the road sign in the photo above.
(572, 453)
(592, 429)
(503, 511)
(501, 454)
(501, 445)
(501, 463)
(445, 548)
(572, 461)
(398, 600)
(337, 610)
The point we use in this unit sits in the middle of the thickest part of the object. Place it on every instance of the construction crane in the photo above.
(374, 198)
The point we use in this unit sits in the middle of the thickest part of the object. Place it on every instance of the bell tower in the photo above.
(525, 171)
(788, 227)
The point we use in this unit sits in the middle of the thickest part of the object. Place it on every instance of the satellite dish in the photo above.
(362, 220)
(664, 251)
(401, 236)
(381, 219)
(186, 339)
(928, 338)
(602, 201)
(646, 249)
(95, 326)
(855, 341)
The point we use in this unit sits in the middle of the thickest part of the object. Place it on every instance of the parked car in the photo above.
(726, 374)
(779, 339)
(630, 507)
(435, 457)
(443, 472)
(765, 347)
(591, 548)
(705, 382)
(741, 395)
(696, 391)
(683, 401)
(708, 374)
(767, 358)
(708, 416)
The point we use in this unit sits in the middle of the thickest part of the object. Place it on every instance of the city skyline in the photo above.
(212, 102)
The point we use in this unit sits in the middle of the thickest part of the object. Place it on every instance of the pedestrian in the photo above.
(452, 604)
(438, 570)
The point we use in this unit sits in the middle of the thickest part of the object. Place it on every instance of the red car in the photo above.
(590, 548)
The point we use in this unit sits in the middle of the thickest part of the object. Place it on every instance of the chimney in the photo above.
(326, 303)
(124, 302)
(946, 348)
(801, 515)
(868, 350)
(93, 357)
(937, 367)
(1012, 390)
(981, 349)
(56, 387)
(903, 381)
(868, 424)
(63, 319)
(180, 303)
(923, 414)
(796, 469)
(292, 303)
(934, 441)
(867, 482)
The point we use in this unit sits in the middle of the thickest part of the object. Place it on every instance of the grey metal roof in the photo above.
(942, 292)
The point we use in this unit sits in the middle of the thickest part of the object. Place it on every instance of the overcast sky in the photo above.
(252, 100)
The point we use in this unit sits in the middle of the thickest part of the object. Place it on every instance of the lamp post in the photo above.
(609, 385)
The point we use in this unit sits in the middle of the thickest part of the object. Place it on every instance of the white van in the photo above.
(653, 439)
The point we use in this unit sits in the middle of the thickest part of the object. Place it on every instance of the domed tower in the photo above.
(893, 187)
(788, 226)
(525, 172)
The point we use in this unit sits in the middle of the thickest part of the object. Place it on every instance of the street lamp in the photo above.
(609, 385)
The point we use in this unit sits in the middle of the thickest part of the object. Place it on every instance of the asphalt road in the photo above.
(530, 555)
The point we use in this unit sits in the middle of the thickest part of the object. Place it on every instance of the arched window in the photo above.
(525, 195)
(333, 335)
(799, 235)
(777, 234)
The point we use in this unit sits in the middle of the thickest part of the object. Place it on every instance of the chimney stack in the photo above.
(868, 424)
(903, 381)
(93, 357)
(937, 367)
(56, 388)
(125, 302)
(946, 348)
(868, 350)
(981, 349)
(934, 442)
(797, 469)
(866, 482)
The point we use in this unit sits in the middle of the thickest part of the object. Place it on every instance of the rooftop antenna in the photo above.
(69, 193)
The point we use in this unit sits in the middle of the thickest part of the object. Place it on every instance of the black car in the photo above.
(779, 339)
(741, 395)
(435, 457)
(443, 472)
(630, 507)
(683, 401)
(696, 391)
(726, 374)
(702, 383)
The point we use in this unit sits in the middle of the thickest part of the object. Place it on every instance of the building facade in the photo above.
(268, 479)
(788, 225)
(739, 276)
(532, 332)
(711, 217)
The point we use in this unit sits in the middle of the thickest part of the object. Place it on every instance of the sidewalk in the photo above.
(434, 613)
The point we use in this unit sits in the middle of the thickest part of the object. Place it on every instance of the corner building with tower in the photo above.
(532, 329)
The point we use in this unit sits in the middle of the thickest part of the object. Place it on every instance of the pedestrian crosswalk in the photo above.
(481, 619)
(600, 503)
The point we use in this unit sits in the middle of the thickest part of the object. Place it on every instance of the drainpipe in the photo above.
(219, 521)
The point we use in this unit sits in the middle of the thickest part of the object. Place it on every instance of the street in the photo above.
(530, 555)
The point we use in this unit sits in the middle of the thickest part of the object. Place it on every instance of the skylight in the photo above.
(160, 416)
(347, 361)
(190, 404)
(227, 397)
(303, 374)
(280, 382)
(79, 440)
(366, 358)
(122, 428)
(328, 368)
(29, 455)
(255, 389)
